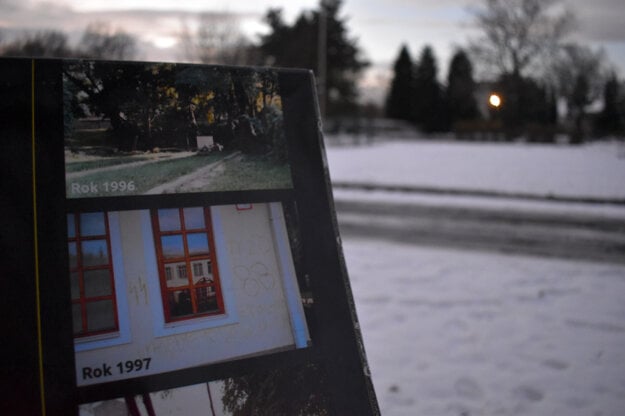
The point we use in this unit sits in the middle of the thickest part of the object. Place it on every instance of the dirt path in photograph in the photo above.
(196, 180)
(156, 159)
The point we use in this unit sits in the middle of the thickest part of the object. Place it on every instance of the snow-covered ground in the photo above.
(466, 333)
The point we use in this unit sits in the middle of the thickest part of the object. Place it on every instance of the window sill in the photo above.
(195, 324)
(100, 341)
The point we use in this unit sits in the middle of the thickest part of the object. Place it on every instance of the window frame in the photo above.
(83, 300)
(188, 261)
(122, 335)
(159, 326)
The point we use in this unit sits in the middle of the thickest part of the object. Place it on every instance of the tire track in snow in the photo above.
(542, 234)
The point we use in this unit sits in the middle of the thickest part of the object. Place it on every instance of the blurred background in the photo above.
(432, 64)
(478, 164)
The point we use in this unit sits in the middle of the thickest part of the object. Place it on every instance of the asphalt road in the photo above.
(543, 234)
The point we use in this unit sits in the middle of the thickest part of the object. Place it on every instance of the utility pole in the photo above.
(322, 58)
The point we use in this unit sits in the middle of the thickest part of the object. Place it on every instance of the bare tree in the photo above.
(101, 41)
(218, 40)
(48, 44)
(517, 33)
(579, 72)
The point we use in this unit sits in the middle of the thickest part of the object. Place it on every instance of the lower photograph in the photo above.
(299, 390)
(161, 290)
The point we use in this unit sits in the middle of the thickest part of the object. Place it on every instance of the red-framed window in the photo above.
(187, 266)
(94, 305)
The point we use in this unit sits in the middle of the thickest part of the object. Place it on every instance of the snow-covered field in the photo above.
(592, 170)
(461, 333)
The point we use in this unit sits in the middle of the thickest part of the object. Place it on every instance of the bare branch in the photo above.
(517, 33)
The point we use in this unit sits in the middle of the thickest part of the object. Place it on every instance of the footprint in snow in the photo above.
(528, 393)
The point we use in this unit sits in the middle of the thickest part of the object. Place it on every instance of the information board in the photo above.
(170, 244)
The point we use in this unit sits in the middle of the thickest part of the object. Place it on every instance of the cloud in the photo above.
(28, 15)
(602, 22)
(149, 27)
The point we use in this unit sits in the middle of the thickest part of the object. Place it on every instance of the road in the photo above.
(544, 234)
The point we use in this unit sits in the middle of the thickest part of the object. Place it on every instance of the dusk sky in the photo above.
(381, 27)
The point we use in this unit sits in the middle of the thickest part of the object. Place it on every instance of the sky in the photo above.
(380, 26)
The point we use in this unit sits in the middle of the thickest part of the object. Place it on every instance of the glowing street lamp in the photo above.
(494, 100)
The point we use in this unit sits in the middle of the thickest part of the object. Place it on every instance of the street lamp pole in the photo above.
(322, 57)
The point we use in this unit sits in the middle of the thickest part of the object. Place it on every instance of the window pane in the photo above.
(73, 278)
(94, 253)
(202, 271)
(206, 300)
(100, 315)
(180, 303)
(198, 244)
(176, 274)
(169, 219)
(97, 283)
(194, 218)
(172, 246)
(76, 318)
(92, 224)
(73, 255)
(71, 226)
(198, 269)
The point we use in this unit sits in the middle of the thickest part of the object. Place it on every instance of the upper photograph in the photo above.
(146, 128)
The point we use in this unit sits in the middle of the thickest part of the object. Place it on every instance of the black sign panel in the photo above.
(171, 245)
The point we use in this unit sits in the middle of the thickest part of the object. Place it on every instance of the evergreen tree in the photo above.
(296, 46)
(400, 100)
(428, 94)
(460, 94)
(611, 120)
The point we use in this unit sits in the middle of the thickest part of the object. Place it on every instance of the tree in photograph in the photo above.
(100, 41)
(611, 120)
(131, 96)
(296, 46)
(579, 73)
(72, 109)
(46, 44)
(240, 108)
(460, 93)
(298, 391)
(428, 94)
(400, 99)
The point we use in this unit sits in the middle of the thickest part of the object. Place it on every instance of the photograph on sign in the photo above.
(160, 290)
(292, 390)
(149, 129)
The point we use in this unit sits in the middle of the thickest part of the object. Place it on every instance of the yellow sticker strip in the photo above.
(36, 243)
